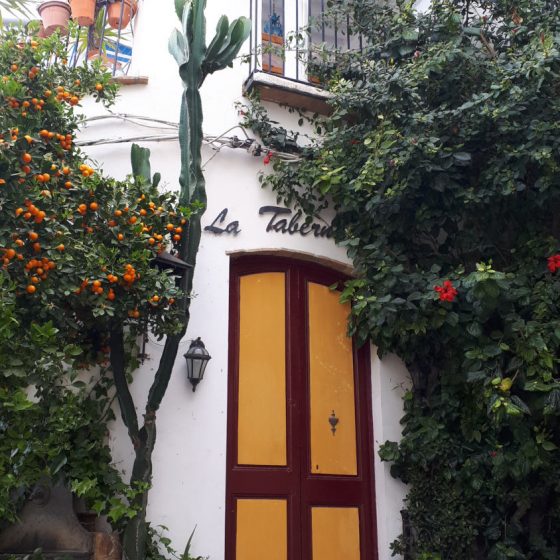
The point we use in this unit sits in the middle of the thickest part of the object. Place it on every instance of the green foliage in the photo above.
(76, 250)
(441, 160)
(160, 547)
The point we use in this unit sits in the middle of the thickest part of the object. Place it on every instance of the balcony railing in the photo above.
(288, 34)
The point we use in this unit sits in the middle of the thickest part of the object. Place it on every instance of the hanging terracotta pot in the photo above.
(114, 13)
(54, 15)
(83, 11)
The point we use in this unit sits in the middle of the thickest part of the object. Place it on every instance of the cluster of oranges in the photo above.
(38, 271)
(14, 132)
(31, 211)
(26, 105)
(86, 170)
(64, 139)
(66, 96)
(83, 208)
(9, 255)
(130, 276)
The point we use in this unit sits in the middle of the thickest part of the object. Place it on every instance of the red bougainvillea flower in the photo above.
(446, 292)
(554, 263)
(267, 158)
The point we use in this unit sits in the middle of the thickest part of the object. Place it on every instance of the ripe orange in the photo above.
(60, 247)
(33, 235)
(26, 158)
(93, 206)
(31, 289)
(98, 87)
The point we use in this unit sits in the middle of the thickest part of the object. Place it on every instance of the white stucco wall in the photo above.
(189, 462)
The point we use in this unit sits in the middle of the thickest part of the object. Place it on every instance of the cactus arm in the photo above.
(140, 159)
(239, 30)
(180, 7)
(178, 47)
(218, 41)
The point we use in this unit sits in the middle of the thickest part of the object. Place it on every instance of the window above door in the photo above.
(287, 35)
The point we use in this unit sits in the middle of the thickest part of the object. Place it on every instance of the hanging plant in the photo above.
(115, 10)
(83, 11)
(54, 16)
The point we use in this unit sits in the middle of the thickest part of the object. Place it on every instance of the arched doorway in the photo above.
(299, 467)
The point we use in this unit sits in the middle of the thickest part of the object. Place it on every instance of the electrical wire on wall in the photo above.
(169, 132)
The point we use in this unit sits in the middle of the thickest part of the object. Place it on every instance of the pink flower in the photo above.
(267, 158)
(554, 263)
(446, 292)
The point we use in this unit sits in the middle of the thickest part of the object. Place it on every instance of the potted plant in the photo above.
(54, 15)
(83, 11)
(114, 13)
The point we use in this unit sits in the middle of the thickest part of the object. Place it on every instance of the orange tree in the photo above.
(76, 254)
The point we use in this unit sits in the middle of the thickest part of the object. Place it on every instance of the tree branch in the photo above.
(126, 403)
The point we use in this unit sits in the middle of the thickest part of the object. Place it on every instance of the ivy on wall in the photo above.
(442, 162)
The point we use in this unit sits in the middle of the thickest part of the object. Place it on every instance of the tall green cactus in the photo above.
(196, 61)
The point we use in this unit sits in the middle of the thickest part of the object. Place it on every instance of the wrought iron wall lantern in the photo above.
(197, 358)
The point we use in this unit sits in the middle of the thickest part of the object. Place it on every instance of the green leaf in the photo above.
(475, 31)
(462, 157)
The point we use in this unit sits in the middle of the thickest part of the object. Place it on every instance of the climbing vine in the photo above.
(441, 160)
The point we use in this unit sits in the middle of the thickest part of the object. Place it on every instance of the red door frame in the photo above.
(302, 489)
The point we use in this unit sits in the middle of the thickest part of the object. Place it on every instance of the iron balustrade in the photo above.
(113, 46)
(287, 34)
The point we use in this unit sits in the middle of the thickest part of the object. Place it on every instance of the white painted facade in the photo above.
(190, 456)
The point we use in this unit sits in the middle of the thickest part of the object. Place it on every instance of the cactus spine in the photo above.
(196, 61)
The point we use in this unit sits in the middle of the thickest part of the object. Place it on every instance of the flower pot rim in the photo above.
(49, 3)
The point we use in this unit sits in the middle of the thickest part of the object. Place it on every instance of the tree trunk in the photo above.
(135, 535)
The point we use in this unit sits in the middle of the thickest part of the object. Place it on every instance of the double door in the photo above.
(299, 466)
